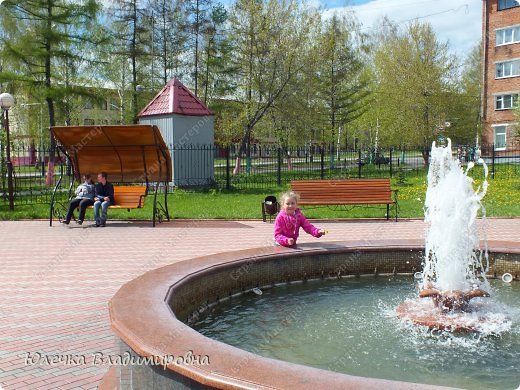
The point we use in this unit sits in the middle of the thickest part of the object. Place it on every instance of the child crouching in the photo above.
(290, 219)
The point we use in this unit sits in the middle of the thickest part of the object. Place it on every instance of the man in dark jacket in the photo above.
(104, 197)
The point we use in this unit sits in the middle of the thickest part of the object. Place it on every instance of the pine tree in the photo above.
(217, 68)
(39, 36)
(342, 89)
(197, 18)
(131, 36)
(169, 40)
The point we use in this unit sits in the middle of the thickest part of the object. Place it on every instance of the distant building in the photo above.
(187, 127)
(501, 71)
(104, 111)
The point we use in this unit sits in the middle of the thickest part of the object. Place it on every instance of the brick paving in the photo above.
(55, 283)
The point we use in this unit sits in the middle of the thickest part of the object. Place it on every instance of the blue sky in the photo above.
(457, 21)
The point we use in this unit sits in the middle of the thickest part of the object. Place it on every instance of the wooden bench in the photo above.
(346, 192)
(128, 197)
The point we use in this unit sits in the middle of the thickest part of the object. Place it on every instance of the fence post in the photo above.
(322, 163)
(279, 167)
(359, 164)
(493, 162)
(391, 149)
(228, 167)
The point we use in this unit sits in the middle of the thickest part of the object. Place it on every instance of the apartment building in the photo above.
(501, 71)
(106, 111)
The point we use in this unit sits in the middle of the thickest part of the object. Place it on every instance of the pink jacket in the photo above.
(288, 226)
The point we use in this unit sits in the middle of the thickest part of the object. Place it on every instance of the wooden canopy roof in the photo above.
(128, 154)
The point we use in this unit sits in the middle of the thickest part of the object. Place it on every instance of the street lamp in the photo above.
(6, 102)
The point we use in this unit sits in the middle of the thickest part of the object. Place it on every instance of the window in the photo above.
(507, 69)
(89, 105)
(504, 4)
(506, 102)
(500, 136)
(508, 35)
(114, 106)
(88, 122)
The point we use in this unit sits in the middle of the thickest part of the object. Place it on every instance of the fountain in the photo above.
(455, 267)
(154, 315)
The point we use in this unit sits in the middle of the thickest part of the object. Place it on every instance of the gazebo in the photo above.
(130, 155)
(187, 127)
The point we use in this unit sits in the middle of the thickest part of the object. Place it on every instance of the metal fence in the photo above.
(262, 167)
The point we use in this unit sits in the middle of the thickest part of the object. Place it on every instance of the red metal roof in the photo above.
(175, 98)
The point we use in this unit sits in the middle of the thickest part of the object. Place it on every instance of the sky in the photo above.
(457, 21)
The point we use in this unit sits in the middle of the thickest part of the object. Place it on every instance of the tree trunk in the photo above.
(236, 170)
(49, 180)
(426, 156)
(196, 73)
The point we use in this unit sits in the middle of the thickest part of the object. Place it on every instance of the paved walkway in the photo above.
(55, 283)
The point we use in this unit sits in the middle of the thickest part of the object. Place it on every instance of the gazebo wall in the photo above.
(190, 140)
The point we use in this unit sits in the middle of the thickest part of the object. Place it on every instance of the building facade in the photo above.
(501, 71)
(104, 111)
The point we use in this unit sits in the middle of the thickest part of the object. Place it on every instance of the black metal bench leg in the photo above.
(387, 211)
(396, 202)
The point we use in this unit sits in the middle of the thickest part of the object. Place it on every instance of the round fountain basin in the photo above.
(150, 314)
(350, 325)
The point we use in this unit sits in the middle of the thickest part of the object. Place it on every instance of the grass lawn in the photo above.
(501, 200)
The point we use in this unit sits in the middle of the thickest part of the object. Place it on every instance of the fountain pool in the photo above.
(350, 326)
(151, 314)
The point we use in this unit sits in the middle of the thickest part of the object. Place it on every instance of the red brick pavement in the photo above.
(55, 283)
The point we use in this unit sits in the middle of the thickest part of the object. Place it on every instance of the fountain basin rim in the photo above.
(141, 317)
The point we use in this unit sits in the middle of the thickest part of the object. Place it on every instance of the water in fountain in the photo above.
(454, 266)
(453, 260)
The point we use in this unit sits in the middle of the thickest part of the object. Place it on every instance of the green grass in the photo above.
(501, 200)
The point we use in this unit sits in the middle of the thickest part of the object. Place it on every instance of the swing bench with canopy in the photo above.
(133, 156)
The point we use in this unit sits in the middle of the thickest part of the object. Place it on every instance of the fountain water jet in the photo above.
(454, 267)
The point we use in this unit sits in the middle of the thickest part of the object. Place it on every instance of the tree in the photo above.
(198, 17)
(40, 34)
(271, 39)
(217, 67)
(465, 100)
(414, 72)
(131, 38)
(169, 39)
(341, 86)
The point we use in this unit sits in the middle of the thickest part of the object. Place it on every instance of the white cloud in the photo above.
(456, 21)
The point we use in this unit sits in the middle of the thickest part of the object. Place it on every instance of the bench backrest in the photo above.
(129, 196)
(346, 191)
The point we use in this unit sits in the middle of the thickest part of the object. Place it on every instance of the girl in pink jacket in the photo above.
(290, 219)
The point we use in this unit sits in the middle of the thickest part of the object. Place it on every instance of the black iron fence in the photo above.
(262, 167)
